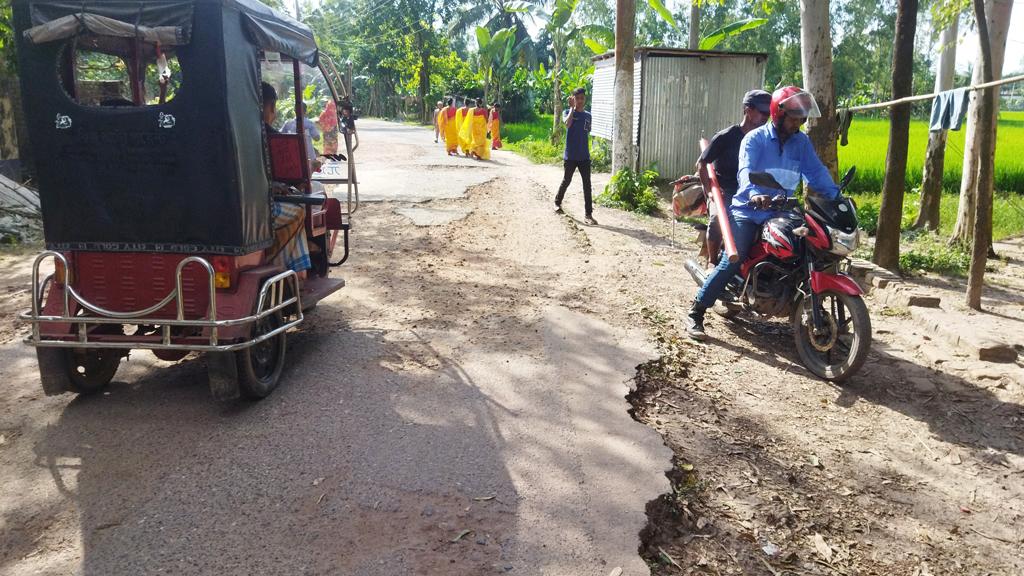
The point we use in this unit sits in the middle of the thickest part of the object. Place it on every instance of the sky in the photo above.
(967, 50)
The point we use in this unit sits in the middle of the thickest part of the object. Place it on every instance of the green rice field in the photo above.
(869, 140)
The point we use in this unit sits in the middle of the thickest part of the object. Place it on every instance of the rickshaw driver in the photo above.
(289, 220)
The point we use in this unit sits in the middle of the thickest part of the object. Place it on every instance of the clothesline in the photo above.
(920, 97)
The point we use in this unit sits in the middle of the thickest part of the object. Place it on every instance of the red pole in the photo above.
(300, 122)
(723, 210)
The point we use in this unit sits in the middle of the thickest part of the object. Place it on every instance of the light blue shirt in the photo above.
(760, 152)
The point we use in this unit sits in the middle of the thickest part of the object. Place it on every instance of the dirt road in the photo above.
(460, 408)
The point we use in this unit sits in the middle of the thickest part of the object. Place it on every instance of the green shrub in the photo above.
(929, 252)
(629, 190)
(867, 215)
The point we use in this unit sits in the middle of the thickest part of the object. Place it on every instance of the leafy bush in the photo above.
(867, 215)
(929, 252)
(629, 190)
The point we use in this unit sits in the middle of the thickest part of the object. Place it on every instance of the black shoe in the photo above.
(558, 209)
(695, 323)
(590, 220)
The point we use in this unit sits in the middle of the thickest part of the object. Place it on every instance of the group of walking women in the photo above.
(466, 128)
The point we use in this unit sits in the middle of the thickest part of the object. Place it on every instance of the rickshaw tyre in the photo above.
(53, 371)
(259, 366)
(60, 371)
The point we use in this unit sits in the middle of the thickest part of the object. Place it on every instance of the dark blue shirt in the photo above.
(577, 138)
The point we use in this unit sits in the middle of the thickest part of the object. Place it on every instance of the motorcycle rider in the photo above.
(724, 151)
(782, 150)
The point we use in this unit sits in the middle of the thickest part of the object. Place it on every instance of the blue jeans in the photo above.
(744, 232)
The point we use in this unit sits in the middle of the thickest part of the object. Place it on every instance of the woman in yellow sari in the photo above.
(449, 127)
(466, 128)
(481, 149)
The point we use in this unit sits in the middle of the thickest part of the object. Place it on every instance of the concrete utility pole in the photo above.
(298, 13)
(625, 44)
(694, 25)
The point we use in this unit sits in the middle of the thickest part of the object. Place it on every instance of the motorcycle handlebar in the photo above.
(777, 203)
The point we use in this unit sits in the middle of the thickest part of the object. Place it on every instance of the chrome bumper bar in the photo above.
(271, 300)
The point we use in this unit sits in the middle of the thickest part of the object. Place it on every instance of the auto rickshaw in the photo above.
(158, 183)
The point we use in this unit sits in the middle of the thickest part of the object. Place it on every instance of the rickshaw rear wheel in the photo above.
(260, 365)
(79, 370)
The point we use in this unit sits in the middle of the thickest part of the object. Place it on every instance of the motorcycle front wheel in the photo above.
(840, 349)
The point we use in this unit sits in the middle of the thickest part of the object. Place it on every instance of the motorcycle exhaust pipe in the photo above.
(696, 271)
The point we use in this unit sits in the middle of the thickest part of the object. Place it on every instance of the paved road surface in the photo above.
(461, 382)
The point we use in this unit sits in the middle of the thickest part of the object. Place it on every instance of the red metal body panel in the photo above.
(817, 237)
(133, 281)
(823, 282)
(757, 253)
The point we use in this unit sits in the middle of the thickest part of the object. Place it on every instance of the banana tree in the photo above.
(559, 25)
(498, 53)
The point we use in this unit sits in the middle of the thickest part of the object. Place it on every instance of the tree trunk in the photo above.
(998, 14)
(426, 107)
(816, 53)
(986, 166)
(556, 94)
(935, 157)
(890, 215)
(694, 25)
(625, 44)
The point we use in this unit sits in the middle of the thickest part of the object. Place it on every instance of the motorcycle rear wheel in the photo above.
(848, 338)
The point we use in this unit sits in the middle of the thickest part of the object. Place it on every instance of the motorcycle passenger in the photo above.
(782, 150)
(724, 152)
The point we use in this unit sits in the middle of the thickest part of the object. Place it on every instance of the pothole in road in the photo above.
(433, 216)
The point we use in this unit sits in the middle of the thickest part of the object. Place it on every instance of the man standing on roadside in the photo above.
(724, 152)
(577, 152)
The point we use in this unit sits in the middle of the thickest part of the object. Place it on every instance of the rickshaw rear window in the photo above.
(100, 71)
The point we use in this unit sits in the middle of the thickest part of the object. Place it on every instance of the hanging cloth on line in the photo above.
(845, 117)
(949, 110)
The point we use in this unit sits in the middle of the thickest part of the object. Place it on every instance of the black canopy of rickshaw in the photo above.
(188, 175)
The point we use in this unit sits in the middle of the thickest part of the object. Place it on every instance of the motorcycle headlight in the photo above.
(842, 243)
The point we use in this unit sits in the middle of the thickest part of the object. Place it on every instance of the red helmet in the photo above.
(794, 101)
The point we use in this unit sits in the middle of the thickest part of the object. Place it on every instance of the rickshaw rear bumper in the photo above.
(61, 318)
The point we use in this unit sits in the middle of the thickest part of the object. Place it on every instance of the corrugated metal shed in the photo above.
(679, 96)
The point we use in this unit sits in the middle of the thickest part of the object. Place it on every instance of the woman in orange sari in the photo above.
(495, 126)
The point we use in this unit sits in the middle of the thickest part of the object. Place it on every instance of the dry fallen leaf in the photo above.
(823, 549)
(461, 535)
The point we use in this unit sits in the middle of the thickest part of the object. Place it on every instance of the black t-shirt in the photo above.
(724, 152)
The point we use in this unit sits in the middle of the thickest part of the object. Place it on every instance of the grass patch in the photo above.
(533, 140)
(869, 142)
(1007, 213)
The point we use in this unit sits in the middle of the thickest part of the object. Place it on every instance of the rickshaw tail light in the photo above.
(59, 274)
(221, 271)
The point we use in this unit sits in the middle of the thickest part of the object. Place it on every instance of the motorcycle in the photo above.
(794, 270)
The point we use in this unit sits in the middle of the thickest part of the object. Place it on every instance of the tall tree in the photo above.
(890, 215)
(816, 52)
(998, 26)
(625, 42)
(935, 156)
(986, 166)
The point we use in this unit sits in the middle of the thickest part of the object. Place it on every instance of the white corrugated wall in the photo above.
(602, 103)
(687, 96)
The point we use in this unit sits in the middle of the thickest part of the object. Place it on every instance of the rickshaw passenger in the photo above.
(290, 247)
